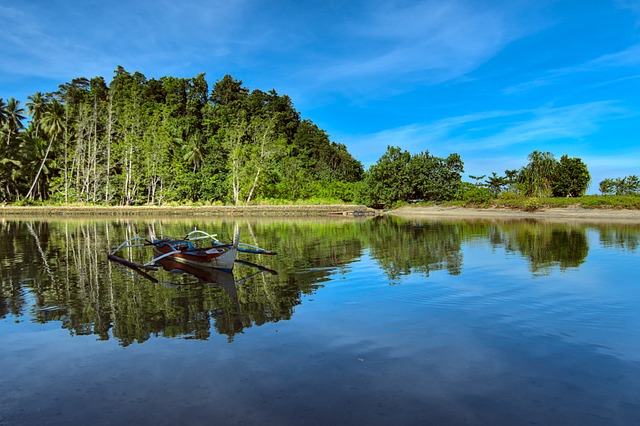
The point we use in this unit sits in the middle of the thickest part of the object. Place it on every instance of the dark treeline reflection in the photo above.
(544, 245)
(58, 271)
(625, 237)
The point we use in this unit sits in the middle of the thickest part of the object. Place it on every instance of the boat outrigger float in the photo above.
(214, 254)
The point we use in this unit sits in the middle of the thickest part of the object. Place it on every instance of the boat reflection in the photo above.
(206, 275)
(189, 280)
(212, 276)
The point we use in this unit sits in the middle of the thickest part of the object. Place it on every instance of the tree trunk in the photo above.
(109, 125)
(35, 180)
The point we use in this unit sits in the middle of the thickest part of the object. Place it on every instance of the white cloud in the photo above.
(426, 42)
(629, 57)
(546, 124)
(58, 41)
(490, 134)
(360, 49)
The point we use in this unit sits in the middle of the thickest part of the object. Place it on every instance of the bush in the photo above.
(472, 194)
(532, 204)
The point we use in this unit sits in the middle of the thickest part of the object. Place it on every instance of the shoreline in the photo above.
(258, 210)
(332, 210)
(555, 213)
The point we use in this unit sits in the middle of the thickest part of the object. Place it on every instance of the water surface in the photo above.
(374, 321)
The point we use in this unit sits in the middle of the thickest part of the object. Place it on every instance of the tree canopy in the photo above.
(152, 141)
(400, 176)
(139, 140)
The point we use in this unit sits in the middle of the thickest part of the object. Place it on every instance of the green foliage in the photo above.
(531, 204)
(160, 141)
(631, 202)
(436, 179)
(389, 180)
(536, 178)
(571, 178)
(628, 185)
(148, 141)
(544, 176)
(518, 201)
(400, 176)
(471, 194)
(496, 184)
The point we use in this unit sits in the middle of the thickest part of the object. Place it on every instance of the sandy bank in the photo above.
(282, 210)
(569, 213)
(335, 210)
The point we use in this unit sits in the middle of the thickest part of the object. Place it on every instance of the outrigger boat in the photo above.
(215, 254)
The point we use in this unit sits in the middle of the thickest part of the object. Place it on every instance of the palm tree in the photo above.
(13, 118)
(3, 117)
(194, 152)
(36, 106)
(32, 151)
(3, 112)
(537, 176)
(53, 122)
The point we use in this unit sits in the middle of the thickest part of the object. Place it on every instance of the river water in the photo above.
(376, 321)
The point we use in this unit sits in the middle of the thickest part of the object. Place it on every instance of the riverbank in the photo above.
(261, 210)
(556, 213)
(338, 210)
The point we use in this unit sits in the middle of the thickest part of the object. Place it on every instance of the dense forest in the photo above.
(172, 140)
(147, 141)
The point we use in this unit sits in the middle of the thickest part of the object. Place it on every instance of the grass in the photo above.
(630, 202)
(511, 201)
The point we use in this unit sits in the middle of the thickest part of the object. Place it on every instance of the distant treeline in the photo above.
(172, 140)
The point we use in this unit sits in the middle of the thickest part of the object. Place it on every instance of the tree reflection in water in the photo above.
(56, 270)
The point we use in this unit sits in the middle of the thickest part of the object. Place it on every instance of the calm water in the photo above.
(376, 321)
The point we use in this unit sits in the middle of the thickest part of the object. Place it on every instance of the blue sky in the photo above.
(488, 79)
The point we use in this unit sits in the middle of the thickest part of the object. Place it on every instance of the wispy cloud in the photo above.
(544, 125)
(491, 133)
(307, 47)
(629, 57)
(632, 5)
(58, 41)
(424, 42)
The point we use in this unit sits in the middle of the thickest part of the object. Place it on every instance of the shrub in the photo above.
(472, 194)
(532, 204)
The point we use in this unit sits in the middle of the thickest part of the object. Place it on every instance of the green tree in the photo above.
(53, 122)
(511, 179)
(607, 186)
(628, 185)
(11, 166)
(194, 151)
(477, 179)
(496, 183)
(389, 180)
(436, 179)
(3, 113)
(537, 176)
(632, 184)
(571, 178)
(265, 144)
(13, 116)
(233, 139)
(169, 140)
(35, 107)
(400, 176)
(228, 91)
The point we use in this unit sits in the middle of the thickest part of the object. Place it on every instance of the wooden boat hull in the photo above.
(222, 257)
(211, 276)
